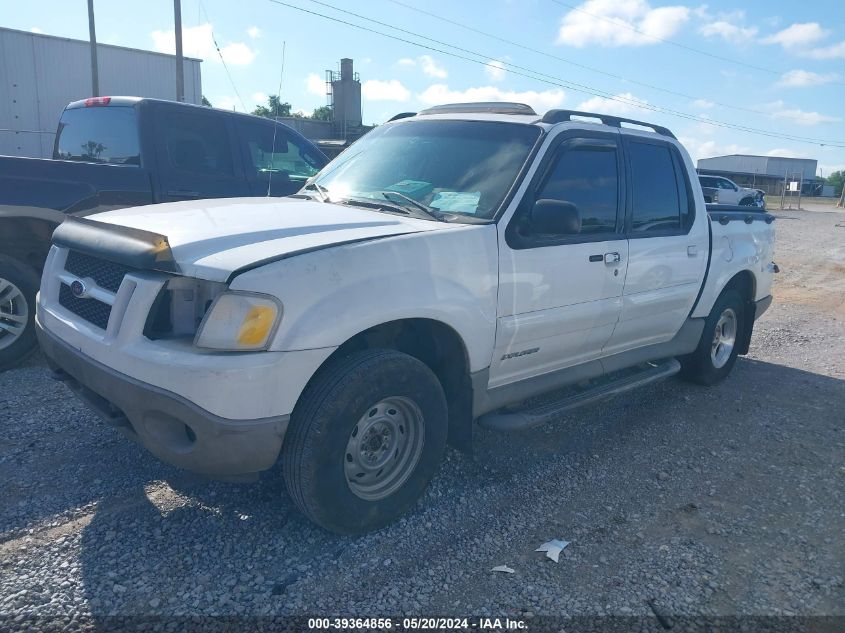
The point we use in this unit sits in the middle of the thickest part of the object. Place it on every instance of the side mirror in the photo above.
(555, 217)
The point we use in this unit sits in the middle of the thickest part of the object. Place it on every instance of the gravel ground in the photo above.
(677, 500)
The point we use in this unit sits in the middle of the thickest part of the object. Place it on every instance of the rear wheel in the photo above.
(18, 285)
(718, 348)
(364, 441)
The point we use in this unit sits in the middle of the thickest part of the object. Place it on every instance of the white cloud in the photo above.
(315, 85)
(495, 69)
(426, 63)
(437, 94)
(254, 32)
(728, 31)
(430, 67)
(226, 102)
(197, 41)
(800, 117)
(702, 104)
(707, 149)
(391, 90)
(620, 23)
(622, 104)
(260, 98)
(35, 29)
(801, 78)
(834, 51)
(791, 153)
(795, 35)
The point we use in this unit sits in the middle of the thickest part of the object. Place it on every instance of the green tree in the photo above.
(837, 179)
(206, 102)
(274, 108)
(323, 113)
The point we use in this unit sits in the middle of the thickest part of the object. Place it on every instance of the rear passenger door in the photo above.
(195, 155)
(277, 162)
(666, 257)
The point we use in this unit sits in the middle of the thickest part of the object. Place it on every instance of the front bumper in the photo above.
(169, 426)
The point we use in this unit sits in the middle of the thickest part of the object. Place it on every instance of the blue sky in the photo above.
(783, 67)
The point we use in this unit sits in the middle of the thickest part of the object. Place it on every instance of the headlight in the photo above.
(239, 321)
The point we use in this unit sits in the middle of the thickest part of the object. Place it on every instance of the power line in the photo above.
(548, 79)
(572, 63)
(691, 49)
(222, 61)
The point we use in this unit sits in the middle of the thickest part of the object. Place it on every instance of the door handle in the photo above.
(612, 258)
(692, 251)
(183, 194)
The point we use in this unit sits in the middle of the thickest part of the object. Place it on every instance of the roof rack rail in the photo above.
(401, 115)
(559, 116)
(493, 107)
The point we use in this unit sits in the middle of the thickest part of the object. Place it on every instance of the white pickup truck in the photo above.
(471, 263)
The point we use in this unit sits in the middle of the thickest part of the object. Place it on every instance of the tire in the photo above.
(359, 411)
(18, 286)
(713, 360)
(747, 202)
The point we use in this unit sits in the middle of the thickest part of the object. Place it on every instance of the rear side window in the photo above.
(196, 143)
(99, 134)
(589, 179)
(286, 155)
(658, 204)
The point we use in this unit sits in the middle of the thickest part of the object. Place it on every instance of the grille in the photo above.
(107, 274)
(93, 311)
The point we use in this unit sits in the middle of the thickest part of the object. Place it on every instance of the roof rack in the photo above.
(493, 107)
(559, 116)
(401, 115)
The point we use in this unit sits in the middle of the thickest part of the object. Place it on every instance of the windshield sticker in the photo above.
(415, 189)
(456, 201)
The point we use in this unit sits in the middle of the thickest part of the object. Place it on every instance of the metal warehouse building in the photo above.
(41, 74)
(763, 172)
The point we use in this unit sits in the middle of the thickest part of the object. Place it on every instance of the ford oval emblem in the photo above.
(77, 288)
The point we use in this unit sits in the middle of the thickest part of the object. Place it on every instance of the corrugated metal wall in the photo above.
(40, 75)
(772, 165)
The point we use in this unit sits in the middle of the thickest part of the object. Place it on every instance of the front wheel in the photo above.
(18, 285)
(364, 441)
(718, 348)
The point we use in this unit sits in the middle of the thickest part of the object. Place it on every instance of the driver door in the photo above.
(560, 296)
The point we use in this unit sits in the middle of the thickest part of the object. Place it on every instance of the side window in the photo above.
(288, 155)
(196, 143)
(656, 203)
(707, 182)
(588, 178)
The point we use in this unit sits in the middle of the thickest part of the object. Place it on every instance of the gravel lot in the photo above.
(677, 500)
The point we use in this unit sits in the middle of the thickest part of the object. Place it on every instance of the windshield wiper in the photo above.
(430, 212)
(322, 192)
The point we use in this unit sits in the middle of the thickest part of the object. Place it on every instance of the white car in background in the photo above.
(725, 191)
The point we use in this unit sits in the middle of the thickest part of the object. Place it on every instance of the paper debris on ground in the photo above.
(503, 568)
(553, 548)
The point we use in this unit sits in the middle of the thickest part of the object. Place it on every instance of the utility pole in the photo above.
(180, 64)
(92, 39)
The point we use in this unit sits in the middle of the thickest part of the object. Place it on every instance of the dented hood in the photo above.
(212, 239)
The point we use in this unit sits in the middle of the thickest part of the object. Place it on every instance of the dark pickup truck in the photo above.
(113, 152)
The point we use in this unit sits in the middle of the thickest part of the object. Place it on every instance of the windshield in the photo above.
(454, 167)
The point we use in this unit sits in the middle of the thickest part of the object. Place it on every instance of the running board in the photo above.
(547, 410)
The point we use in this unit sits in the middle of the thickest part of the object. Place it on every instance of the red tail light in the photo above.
(97, 101)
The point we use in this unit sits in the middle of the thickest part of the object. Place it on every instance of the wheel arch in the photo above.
(437, 345)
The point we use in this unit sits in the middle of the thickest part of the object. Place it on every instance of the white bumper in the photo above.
(236, 386)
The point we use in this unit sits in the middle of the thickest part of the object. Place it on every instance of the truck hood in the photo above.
(211, 239)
